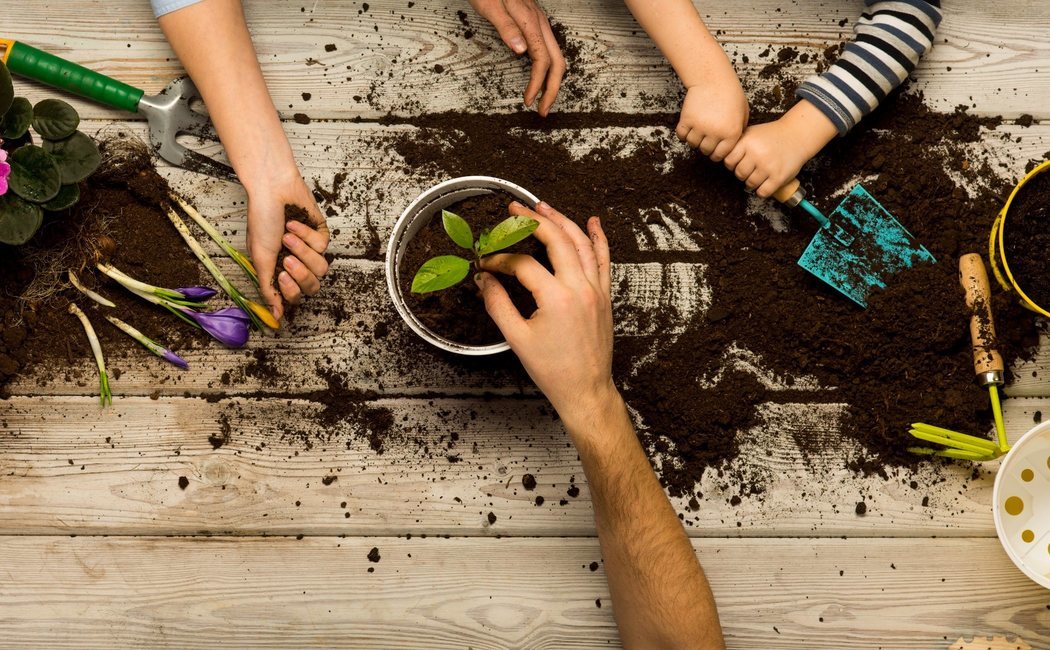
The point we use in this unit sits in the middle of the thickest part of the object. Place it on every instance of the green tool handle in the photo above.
(55, 71)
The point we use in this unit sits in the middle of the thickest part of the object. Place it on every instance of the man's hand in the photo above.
(566, 346)
(714, 116)
(771, 154)
(524, 27)
(267, 234)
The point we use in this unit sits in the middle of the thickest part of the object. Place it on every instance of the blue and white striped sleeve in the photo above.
(890, 38)
(161, 7)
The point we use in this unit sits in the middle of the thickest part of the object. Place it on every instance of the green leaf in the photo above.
(19, 219)
(34, 174)
(440, 273)
(66, 198)
(507, 233)
(77, 156)
(17, 119)
(7, 89)
(458, 229)
(54, 119)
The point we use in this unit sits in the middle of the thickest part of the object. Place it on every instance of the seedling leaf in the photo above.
(440, 273)
(34, 174)
(458, 230)
(77, 156)
(17, 119)
(66, 198)
(19, 219)
(54, 119)
(7, 89)
(507, 233)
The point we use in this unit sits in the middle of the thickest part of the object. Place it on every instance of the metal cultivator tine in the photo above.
(171, 114)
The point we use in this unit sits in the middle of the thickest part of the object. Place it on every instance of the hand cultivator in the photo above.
(988, 364)
(169, 113)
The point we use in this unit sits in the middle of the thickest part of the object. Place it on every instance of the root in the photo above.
(82, 239)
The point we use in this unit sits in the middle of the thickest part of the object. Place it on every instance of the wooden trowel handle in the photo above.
(987, 362)
(791, 194)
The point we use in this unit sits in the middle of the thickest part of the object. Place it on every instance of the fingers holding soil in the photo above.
(312, 259)
(307, 281)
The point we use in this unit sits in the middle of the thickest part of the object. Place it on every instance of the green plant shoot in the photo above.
(446, 271)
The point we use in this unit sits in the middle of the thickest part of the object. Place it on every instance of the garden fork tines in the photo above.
(170, 114)
(990, 369)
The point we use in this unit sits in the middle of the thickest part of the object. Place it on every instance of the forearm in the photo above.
(212, 41)
(661, 597)
(889, 40)
(680, 33)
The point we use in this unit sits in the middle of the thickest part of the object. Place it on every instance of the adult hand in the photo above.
(305, 265)
(713, 117)
(566, 345)
(524, 27)
(769, 155)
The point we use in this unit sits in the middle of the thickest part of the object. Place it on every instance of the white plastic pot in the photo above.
(418, 214)
(1021, 503)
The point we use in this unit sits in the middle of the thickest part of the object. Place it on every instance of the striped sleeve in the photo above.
(161, 7)
(889, 39)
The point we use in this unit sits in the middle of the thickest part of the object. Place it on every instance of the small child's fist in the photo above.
(769, 155)
(713, 118)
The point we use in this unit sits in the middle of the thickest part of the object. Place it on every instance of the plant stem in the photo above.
(237, 256)
(75, 281)
(140, 287)
(260, 316)
(105, 395)
(147, 342)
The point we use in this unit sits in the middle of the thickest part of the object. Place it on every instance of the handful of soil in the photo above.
(458, 313)
(1027, 239)
(291, 213)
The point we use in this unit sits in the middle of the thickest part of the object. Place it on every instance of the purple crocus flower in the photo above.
(229, 326)
(196, 294)
(175, 359)
(5, 171)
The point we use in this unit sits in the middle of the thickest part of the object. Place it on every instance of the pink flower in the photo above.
(5, 171)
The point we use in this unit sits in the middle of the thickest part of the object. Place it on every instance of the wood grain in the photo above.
(68, 468)
(497, 593)
(988, 55)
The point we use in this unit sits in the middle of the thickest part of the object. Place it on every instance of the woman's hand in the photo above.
(268, 233)
(566, 345)
(524, 27)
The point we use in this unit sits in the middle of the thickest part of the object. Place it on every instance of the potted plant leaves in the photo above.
(36, 179)
(434, 251)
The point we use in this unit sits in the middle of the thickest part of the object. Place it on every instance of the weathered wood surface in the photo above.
(67, 467)
(489, 593)
(990, 54)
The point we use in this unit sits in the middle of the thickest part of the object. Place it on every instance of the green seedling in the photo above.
(43, 178)
(446, 271)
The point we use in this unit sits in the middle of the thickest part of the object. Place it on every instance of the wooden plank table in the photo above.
(101, 544)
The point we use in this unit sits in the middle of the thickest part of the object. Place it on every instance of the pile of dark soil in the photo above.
(458, 313)
(1027, 239)
(118, 219)
(906, 358)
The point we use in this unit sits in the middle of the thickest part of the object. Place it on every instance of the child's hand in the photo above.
(713, 117)
(771, 154)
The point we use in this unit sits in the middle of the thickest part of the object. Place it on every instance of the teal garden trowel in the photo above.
(858, 246)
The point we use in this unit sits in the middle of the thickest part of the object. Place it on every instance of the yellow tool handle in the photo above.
(987, 362)
(786, 193)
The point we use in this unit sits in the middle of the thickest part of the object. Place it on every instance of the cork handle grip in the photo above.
(986, 359)
(786, 192)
